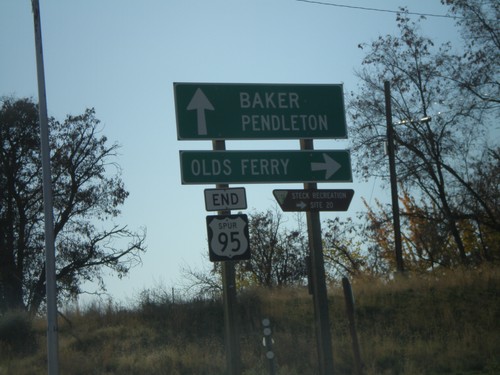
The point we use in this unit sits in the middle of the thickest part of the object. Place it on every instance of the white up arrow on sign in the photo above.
(200, 103)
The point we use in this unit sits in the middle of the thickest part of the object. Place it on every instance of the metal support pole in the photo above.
(50, 263)
(349, 305)
(394, 184)
(233, 360)
(320, 298)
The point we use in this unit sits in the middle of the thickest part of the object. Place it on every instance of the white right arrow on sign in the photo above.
(329, 165)
(301, 205)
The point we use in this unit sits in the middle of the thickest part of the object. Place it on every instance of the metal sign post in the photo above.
(320, 297)
(233, 353)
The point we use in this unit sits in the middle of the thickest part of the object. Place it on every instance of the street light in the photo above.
(422, 120)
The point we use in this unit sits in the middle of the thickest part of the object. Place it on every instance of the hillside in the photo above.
(445, 325)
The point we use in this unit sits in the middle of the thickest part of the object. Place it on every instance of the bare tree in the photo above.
(278, 258)
(434, 158)
(278, 253)
(476, 69)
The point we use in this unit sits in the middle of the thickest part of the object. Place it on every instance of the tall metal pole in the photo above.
(394, 184)
(50, 267)
(232, 340)
(320, 297)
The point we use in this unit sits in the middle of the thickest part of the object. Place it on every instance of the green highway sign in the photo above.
(259, 111)
(230, 167)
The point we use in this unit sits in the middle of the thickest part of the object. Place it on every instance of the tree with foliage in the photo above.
(87, 195)
(434, 159)
(480, 205)
(427, 244)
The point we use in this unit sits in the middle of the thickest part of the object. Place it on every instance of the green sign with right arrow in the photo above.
(230, 167)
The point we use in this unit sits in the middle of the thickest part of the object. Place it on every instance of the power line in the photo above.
(376, 9)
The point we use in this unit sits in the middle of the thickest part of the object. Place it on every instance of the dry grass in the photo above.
(438, 324)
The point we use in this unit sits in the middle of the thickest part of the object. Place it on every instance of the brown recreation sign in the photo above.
(314, 200)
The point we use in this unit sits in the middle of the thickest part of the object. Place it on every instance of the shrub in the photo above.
(17, 335)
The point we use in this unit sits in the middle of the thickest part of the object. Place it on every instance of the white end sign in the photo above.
(225, 199)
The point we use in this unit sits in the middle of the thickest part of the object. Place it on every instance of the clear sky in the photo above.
(121, 57)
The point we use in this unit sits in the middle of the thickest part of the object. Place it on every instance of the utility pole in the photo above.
(394, 184)
(50, 262)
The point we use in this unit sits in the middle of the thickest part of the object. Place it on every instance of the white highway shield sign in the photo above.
(228, 237)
